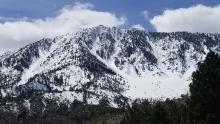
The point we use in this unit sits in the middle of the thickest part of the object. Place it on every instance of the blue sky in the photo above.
(26, 21)
(130, 8)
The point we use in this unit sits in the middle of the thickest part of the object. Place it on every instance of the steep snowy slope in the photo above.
(155, 64)
(103, 62)
(60, 67)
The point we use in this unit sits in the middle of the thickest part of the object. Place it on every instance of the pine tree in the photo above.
(204, 103)
(160, 115)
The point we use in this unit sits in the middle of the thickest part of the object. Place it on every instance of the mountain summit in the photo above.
(104, 62)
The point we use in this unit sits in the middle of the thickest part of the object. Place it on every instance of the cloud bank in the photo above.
(197, 18)
(17, 33)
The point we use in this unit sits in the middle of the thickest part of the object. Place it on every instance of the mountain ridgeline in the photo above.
(96, 63)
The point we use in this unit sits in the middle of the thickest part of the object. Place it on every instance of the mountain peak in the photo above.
(106, 62)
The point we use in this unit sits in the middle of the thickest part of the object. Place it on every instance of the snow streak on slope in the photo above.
(103, 62)
(162, 67)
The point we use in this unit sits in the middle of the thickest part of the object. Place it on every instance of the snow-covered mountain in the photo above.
(103, 62)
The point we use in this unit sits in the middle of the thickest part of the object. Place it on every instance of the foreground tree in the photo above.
(204, 102)
(202, 106)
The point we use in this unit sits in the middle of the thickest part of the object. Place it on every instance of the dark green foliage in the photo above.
(156, 112)
(160, 114)
(177, 110)
(38, 109)
(204, 101)
(139, 113)
(50, 111)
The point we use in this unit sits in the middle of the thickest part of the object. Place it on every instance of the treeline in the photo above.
(40, 110)
(200, 106)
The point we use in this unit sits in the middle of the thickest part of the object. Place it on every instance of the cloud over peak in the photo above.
(199, 18)
(19, 32)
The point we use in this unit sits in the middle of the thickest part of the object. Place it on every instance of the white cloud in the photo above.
(14, 34)
(138, 26)
(197, 18)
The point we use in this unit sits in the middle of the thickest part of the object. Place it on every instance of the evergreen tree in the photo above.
(204, 103)
(160, 115)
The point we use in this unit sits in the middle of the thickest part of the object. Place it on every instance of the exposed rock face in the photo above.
(104, 62)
